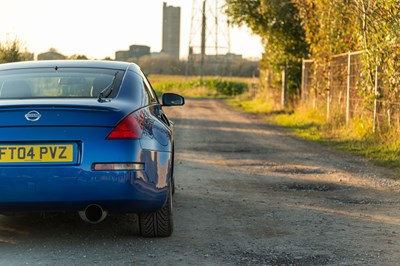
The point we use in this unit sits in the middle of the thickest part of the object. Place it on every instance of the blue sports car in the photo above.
(86, 136)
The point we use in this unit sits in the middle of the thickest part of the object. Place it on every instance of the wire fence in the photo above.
(274, 85)
(335, 89)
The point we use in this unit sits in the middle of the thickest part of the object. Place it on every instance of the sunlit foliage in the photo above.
(320, 29)
(12, 51)
(278, 24)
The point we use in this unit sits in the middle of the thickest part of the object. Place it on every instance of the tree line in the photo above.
(319, 29)
(13, 51)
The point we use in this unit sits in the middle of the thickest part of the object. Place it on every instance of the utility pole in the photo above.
(203, 39)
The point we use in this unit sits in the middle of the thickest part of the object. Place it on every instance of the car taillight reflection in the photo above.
(117, 166)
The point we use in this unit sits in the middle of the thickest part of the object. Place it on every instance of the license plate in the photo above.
(36, 153)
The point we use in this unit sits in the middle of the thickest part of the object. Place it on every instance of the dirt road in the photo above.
(247, 194)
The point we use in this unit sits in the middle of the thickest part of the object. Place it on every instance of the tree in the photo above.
(162, 64)
(278, 24)
(334, 27)
(12, 51)
(78, 57)
(330, 26)
(379, 30)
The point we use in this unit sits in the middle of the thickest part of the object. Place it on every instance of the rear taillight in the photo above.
(131, 127)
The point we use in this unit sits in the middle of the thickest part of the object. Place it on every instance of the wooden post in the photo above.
(348, 89)
(328, 94)
(284, 87)
(303, 81)
(315, 89)
(375, 100)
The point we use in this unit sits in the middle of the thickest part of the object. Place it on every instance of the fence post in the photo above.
(375, 100)
(284, 87)
(348, 88)
(303, 76)
(328, 94)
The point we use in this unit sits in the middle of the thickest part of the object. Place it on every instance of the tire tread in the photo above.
(158, 223)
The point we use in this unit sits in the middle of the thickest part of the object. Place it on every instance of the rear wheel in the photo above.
(158, 223)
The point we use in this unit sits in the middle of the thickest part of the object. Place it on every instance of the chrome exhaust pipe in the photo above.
(93, 214)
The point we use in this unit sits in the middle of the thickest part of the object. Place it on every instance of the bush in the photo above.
(11, 51)
(226, 87)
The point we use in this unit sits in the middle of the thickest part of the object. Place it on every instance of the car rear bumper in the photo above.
(74, 189)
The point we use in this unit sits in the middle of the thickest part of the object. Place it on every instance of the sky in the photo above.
(98, 28)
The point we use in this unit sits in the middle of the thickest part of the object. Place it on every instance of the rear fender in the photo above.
(154, 129)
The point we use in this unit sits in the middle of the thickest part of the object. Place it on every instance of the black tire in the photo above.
(158, 223)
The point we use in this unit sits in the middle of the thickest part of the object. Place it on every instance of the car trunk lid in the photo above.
(88, 113)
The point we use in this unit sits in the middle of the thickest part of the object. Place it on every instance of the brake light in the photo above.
(131, 127)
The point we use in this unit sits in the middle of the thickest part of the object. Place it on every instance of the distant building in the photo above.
(52, 54)
(171, 30)
(122, 55)
(135, 51)
(139, 50)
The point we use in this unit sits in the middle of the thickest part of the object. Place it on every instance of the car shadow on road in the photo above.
(67, 226)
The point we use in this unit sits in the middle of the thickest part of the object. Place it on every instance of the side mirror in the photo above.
(172, 99)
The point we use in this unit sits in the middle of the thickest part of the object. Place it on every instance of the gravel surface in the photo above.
(247, 193)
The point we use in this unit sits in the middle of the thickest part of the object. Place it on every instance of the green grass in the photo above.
(195, 87)
(253, 106)
(385, 154)
(357, 138)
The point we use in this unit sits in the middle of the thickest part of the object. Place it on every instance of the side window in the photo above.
(150, 91)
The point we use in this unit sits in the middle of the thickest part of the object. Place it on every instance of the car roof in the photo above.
(71, 63)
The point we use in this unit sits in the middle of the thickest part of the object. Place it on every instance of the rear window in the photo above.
(60, 83)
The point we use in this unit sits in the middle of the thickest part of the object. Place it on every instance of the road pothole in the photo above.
(321, 187)
(359, 201)
(298, 170)
(253, 258)
(232, 150)
(222, 149)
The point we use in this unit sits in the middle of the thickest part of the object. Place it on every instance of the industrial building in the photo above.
(171, 30)
(134, 52)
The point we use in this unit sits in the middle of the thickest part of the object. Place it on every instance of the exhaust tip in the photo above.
(93, 214)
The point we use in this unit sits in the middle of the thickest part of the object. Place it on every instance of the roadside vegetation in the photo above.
(195, 87)
(319, 30)
(381, 148)
(13, 51)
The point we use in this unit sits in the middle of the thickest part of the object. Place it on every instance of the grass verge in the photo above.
(382, 148)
